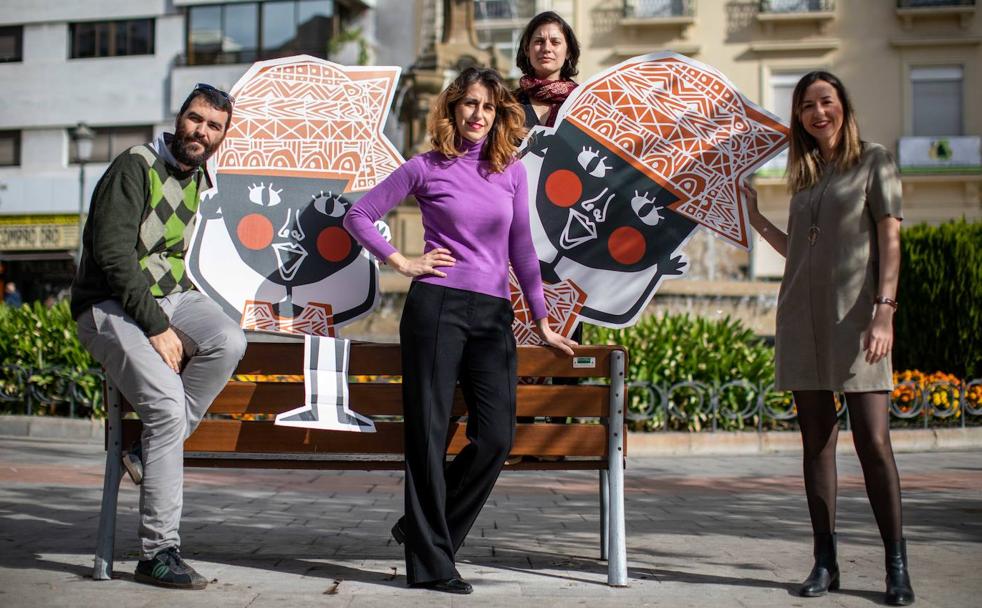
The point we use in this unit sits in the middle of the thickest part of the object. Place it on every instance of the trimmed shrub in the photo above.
(939, 321)
(40, 352)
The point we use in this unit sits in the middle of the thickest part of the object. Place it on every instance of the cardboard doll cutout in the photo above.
(642, 155)
(305, 142)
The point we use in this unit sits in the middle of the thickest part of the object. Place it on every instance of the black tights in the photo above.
(870, 418)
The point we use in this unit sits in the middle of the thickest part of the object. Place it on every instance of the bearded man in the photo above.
(167, 347)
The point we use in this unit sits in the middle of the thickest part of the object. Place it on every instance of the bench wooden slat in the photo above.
(384, 360)
(538, 439)
(386, 399)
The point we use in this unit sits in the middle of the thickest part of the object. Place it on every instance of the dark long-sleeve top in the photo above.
(140, 223)
(481, 217)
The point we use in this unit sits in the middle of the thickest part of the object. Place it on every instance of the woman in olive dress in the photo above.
(835, 315)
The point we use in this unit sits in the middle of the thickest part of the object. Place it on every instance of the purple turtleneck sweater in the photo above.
(481, 217)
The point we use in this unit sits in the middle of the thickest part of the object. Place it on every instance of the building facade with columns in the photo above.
(913, 68)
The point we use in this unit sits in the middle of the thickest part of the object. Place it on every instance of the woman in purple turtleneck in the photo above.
(456, 324)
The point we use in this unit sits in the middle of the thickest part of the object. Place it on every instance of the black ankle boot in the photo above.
(899, 592)
(825, 573)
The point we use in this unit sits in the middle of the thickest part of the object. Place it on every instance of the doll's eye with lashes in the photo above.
(264, 195)
(330, 205)
(646, 209)
(592, 162)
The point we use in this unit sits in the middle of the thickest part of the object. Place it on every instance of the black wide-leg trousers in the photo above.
(449, 335)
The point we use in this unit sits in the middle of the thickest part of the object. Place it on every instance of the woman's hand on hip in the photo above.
(425, 264)
(553, 339)
(878, 337)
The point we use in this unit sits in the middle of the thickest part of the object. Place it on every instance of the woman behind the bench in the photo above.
(456, 324)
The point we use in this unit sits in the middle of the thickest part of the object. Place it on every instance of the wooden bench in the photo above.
(222, 440)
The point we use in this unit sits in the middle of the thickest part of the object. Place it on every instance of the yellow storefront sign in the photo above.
(38, 232)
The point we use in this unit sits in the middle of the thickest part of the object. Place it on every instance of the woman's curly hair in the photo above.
(506, 132)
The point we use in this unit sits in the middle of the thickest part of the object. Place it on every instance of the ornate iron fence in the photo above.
(61, 391)
(737, 404)
(741, 404)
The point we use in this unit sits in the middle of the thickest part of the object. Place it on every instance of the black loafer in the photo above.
(451, 585)
(398, 533)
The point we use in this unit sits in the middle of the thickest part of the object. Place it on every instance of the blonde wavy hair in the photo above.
(804, 169)
(506, 132)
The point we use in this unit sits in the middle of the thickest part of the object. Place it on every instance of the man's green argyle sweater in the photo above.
(139, 227)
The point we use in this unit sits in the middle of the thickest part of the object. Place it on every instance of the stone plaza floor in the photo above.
(701, 530)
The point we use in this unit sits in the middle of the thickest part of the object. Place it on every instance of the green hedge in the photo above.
(42, 341)
(939, 320)
(666, 350)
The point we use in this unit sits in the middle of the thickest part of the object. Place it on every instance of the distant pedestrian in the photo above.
(835, 315)
(11, 297)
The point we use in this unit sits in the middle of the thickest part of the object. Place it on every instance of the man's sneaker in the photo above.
(167, 569)
(133, 462)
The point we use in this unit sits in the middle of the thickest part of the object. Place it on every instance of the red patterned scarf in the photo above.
(552, 92)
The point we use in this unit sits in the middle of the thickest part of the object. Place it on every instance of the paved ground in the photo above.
(702, 531)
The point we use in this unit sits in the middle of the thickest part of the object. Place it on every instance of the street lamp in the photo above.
(82, 135)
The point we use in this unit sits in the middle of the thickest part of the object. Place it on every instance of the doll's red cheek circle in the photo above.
(563, 188)
(334, 244)
(255, 231)
(626, 245)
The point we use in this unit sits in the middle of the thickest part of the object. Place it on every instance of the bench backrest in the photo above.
(239, 430)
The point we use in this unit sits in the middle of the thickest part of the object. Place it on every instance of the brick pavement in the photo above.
(702, 531)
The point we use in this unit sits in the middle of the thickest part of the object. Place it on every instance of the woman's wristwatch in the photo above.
(885, 300)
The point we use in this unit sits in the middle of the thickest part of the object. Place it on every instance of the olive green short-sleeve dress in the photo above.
(827, 294)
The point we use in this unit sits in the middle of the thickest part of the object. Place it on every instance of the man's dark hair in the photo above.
(216, 98)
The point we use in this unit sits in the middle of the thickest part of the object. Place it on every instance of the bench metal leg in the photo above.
(616, 542)
(604, 512)
(106, 537)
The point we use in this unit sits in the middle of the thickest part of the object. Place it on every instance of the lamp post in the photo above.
(82, 135)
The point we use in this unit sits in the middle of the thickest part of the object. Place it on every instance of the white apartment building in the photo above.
(123, 67)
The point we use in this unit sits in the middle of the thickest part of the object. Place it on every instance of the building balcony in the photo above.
(940, 155)
(796, 7)
(503, 13)
(934, 4)
(504, 9)
(625, 51)
(910, 11)
(773, 12)
(658, 13)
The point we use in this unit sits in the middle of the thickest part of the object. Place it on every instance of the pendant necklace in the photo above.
(813, 230)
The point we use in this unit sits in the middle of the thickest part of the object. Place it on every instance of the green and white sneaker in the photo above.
(168, 569)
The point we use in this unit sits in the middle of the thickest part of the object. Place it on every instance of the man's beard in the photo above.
(180, 147)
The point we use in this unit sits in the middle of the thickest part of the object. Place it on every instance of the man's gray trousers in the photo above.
(170, 405)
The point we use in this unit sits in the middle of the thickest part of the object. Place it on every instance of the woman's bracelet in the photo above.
(885, 300)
